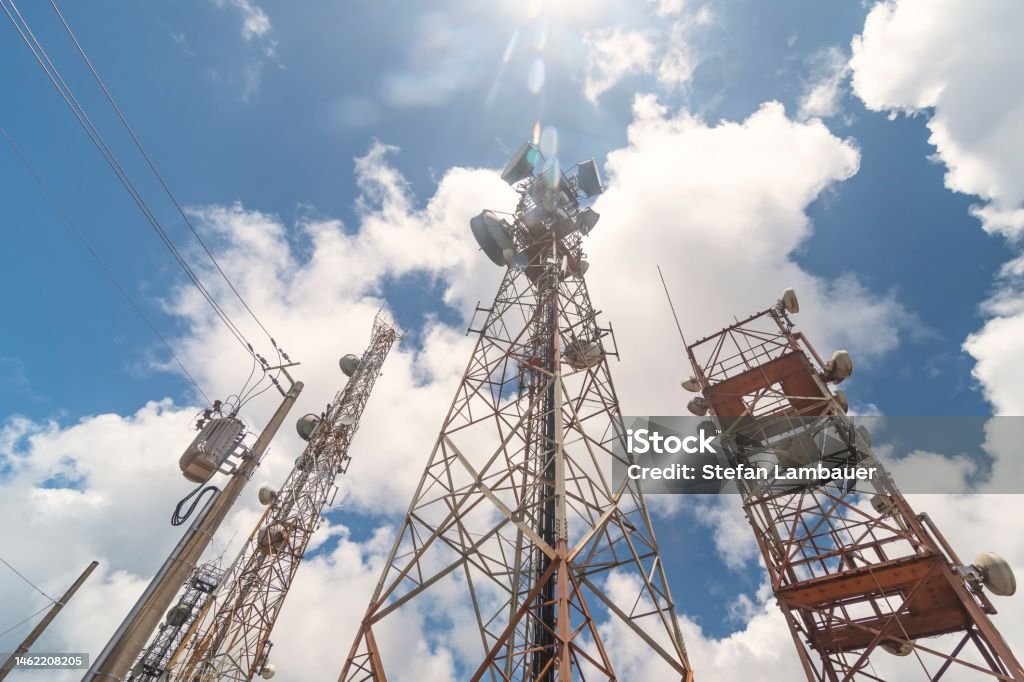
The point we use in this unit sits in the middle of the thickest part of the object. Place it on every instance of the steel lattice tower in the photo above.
(197, 590)
(231, 641)
(869, 589)
(516, 505)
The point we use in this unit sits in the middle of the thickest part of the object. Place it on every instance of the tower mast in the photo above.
(515, 509)
(869, 589)
(231, 640)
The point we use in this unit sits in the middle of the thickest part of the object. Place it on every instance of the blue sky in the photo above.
(282, 149)
(273, 117)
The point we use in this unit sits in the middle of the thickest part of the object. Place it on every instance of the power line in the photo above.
(152, 167)
(99, 261)
(22, 622)
(18, 573)
(99, 142)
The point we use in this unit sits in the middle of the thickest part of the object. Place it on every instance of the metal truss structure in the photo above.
(516, 511)
(197, 590)
(232, 640)
(869, 589)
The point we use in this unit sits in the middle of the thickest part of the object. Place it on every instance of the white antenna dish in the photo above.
(493, 235)
(588, 218)
(898, 648)
(589, 179)
(842, 401)
(996, 574)
(839, 367)
(698, 405)
(307, 425)
(692, 384)
(268, 671)
(267, 495)
(347, 420)
(521, 164)
(790, 302)
(349, 364)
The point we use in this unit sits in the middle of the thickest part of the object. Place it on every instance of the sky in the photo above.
(871, 155)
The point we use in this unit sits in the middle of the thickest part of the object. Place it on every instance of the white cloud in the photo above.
(958, 64)
(824, 90)
(613, 54)
(260, 47)
(682, 192)
(255, 22)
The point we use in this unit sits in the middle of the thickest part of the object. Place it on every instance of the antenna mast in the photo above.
(515, 509)
(869, 589)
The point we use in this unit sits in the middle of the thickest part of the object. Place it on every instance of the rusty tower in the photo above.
(231, 639)
(870, 590)
(515, 510)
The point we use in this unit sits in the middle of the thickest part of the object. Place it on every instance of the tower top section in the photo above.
(553, 205)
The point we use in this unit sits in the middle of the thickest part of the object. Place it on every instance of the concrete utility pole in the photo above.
(124, 647)
(50, 615)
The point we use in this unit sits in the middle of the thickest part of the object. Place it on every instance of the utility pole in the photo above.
(124, 647)
(50, 615)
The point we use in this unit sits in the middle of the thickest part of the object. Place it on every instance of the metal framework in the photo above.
(855, 571)
(515, 510)
(197, 590)
(231, 640)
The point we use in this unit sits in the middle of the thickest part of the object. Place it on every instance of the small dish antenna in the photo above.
(307, 425)
(698, 405)
(996, 574)
(842, 401)
(789, 301)
(839, 367)
(347, 420)
(898, 648)
(691, 384)
(493, 235)
(349, 364)
(267, 495)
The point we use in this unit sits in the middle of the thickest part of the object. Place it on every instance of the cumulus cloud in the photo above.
(955, 63)
(682, 192)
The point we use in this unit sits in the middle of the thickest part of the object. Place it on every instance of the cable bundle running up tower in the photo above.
(869, 589)
(231, 641)
(515, 509)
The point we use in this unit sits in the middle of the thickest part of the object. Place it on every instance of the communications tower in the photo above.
(556, 567)
(153, 661)
(870, 590)
(231, 640)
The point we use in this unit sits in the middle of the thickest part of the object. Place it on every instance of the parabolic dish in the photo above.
(492, 234)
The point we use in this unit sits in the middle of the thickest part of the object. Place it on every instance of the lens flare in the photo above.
(535, 79)
(549, 142)
(536, 133)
